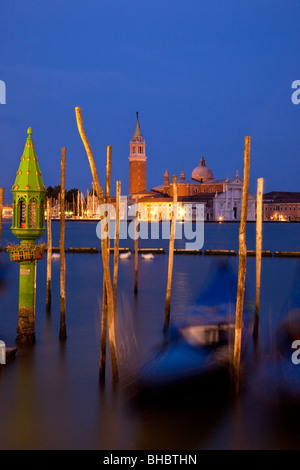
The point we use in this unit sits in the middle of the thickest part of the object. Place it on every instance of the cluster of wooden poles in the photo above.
(80, 206)
(62, 329)
(109, 299)
(109, 302)
(242, 262)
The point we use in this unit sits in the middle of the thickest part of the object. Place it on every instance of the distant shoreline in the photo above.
(205, 221)
(149, 221)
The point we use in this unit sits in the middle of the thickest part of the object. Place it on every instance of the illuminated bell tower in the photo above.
(137, 161)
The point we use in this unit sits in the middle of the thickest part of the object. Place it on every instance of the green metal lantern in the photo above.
(29, 194)
(28, 224)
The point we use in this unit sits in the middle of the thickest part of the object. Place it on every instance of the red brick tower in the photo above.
(137, 161)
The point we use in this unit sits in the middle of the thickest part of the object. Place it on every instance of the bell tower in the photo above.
(137, 161)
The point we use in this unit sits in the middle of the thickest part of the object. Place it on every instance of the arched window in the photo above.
(21, 214)
(32, 214)
(42, 214)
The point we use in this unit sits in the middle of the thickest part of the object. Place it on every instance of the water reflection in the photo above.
(50, 396)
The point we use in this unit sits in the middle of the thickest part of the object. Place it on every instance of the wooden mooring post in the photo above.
(259, 219)
(242, 268)
(49, 255)
(63, 329)
(136, 247)
(116, 245)
(1, 209)
(104, 318)
(171, 255)
(78, 205)
(104, 251)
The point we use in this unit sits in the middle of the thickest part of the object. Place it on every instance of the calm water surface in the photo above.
(49, 394)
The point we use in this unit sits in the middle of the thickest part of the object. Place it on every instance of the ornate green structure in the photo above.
(28, 224)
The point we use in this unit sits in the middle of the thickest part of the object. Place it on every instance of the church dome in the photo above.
(202, 173)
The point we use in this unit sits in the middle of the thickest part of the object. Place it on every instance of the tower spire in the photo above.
(137, 129)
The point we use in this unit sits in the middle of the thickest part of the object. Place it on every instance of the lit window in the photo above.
(22, 214)
(32, 214)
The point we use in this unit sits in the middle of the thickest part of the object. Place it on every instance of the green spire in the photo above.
(29, 192)
(29, 176)
(137, 129)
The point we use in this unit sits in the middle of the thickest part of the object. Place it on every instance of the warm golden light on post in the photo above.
(63, 329)
(116, 245)
(259, 219)
(49, 255)
(1, 209)
(105, 257)
(171, 255)
(136, 241)
(242, 266)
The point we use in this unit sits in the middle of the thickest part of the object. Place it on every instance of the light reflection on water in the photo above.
(49, 394)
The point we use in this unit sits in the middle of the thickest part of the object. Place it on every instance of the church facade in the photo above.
(222, 198)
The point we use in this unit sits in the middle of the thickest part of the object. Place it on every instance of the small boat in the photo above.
(278, 387)
(147, 256)
(287, 365)
(55, 256)
(10, 352)
(126, 255)
(197, 351)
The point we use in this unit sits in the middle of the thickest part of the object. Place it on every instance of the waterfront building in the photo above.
(222, 198)
(281, 206)
(7, 212)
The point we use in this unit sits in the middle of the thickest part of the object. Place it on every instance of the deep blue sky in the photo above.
(202, 74)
